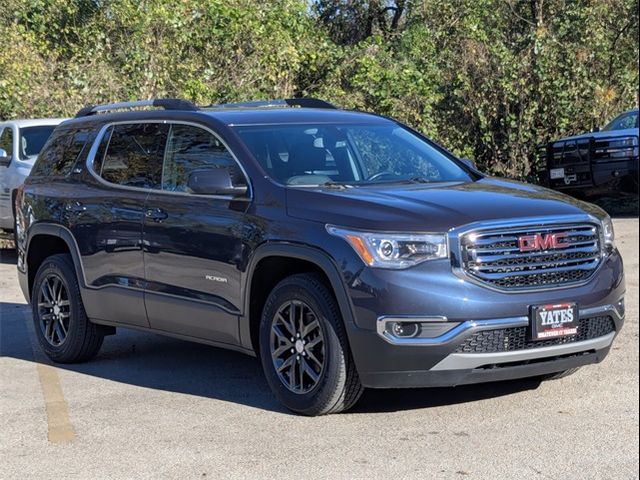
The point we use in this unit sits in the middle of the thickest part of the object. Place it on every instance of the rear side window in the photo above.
(134, 155)
(32, 139)
(190, 148)
(60, 153)
(6, 140)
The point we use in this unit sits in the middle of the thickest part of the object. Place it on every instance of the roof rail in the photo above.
(166, 103)
(286, 102)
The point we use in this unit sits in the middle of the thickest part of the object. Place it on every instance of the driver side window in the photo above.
(191, 148)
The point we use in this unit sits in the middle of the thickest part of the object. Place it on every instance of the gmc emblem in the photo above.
(549, 241)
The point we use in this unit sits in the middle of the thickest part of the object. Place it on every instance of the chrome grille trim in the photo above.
(491, 256)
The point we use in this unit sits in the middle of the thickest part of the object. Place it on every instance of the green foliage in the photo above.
(489, 79)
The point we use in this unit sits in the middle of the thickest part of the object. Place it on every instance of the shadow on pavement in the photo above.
(163, 363)
(8, 257)
(623, 206)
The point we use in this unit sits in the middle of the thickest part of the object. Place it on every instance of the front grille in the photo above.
(494, 257)
(584, 150)
(516, 338)
(569, 152)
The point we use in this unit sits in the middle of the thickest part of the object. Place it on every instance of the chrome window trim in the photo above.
(456, 234)
(96, 144)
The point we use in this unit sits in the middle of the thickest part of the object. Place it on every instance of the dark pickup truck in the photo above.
(598, 163)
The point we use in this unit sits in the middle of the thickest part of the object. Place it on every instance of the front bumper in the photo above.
(451, 367)
(598, 177)
(435, 294)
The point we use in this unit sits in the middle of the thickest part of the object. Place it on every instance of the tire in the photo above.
(562, 374)
(55, 314)
(330, 382)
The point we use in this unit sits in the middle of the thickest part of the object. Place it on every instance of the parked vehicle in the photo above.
(343, 249)
(20, 144)
(597, 163)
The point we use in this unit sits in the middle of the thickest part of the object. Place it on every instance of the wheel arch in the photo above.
(293, 256)
(46, 239)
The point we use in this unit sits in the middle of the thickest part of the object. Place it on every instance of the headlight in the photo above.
(394, 250)
(609, 234)
(623, 142)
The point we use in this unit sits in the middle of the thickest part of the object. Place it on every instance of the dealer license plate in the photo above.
(553, 321)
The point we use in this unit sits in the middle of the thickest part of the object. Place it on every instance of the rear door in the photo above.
(105, 215)
(193, 247)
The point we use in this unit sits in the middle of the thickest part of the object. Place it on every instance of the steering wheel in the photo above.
(378, 175)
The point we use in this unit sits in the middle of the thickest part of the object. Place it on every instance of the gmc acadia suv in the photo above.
(343, 249)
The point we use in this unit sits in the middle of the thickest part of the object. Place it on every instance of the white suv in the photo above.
(20, 143)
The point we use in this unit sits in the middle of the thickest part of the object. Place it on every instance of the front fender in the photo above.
(301, 252)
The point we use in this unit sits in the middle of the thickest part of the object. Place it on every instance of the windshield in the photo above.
(350, 154)
(622, 122)
(32, 139)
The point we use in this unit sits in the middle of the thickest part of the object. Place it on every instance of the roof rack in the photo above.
(166, 103)
(286, 102)
(179, 104)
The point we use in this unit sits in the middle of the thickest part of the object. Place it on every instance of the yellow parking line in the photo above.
(59, 428)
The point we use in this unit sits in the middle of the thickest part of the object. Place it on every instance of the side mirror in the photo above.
(4, 158)
(469, 163)
(595, 129)
(213, 181)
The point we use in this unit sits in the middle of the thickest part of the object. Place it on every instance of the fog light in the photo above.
(621, 307)
(405, 329)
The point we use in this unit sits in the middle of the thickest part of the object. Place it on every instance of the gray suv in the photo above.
(343, 249)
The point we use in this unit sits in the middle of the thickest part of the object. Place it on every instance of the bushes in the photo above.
(490, 79)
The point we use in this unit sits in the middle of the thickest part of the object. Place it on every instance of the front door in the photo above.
(193, 244)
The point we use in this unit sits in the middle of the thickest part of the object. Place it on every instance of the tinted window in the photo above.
(60, 152)
(191, 148)
(6, 141)
(134, 155)
(32, 139)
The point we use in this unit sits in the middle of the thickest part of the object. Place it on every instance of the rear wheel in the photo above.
(304, 349)
(64, 332)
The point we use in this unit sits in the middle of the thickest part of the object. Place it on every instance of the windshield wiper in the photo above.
(407, 180)
(418, 180)
(338, 185)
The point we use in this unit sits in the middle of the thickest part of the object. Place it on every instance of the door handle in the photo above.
(75, 207)
(155, 214)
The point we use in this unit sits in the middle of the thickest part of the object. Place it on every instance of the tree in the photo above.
(489, 79)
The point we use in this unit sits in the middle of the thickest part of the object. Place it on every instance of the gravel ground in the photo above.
(154, 407)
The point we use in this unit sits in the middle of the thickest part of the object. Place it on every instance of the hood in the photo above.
(602, 134)
(432, 208)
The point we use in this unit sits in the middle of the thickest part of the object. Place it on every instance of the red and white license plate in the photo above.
(552, 321)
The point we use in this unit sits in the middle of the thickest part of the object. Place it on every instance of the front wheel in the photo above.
(304, 349)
